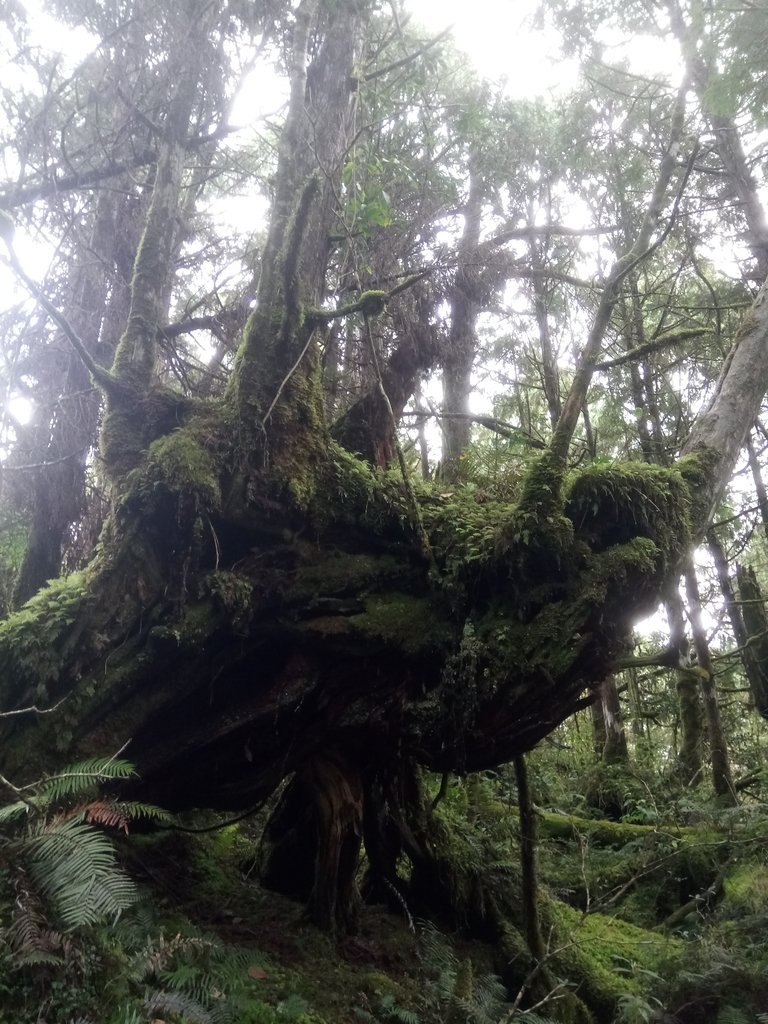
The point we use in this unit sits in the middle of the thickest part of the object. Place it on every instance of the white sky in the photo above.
(499, 38)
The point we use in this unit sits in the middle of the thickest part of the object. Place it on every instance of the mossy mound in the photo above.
(36, 641)
(610, 959)
(178, 464)
(611, 506)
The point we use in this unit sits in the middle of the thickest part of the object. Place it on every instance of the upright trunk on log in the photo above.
(722, 780)
(462, 342)
(610, 739)
(689, 753)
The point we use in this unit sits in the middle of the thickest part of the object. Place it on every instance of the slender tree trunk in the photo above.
(549, 375)
(752, 644)
(718, 747)
(615, 750)
(462, 343)
(599, 732)
(58, 492)
(689, 754)
(757, 479)
(754, 638)
(724, 129)
(528, 876)
(668, 170)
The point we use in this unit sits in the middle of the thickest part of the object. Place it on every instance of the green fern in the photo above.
(483, 1003)
(74, 782)
(129, 1015)
(48, 839)
(213, 977)
(178, 1003)
(733, 1015)
(75, 869)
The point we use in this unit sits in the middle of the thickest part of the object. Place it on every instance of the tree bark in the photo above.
(462, 343)
(722, 780)
(754, 636)
(689, 754)
(753, 648)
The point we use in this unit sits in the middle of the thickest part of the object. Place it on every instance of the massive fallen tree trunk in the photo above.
(264, 603)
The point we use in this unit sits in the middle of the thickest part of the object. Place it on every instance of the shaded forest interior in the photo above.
(321, 694)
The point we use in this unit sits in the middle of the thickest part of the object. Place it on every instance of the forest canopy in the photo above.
(351, 444)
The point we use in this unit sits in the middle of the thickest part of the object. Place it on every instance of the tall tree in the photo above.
(264, 604)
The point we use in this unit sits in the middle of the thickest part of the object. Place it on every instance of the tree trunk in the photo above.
(754, 640)
(753, 648)
(718, 747)
(460, 356)
(543, 981)
(757, 479)
(689, 754)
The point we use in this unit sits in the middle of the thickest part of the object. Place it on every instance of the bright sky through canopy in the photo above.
(500, 39)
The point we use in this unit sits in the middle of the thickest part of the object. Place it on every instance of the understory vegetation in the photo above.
(118, 913)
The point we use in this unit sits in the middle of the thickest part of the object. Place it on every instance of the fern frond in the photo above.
(117, 814)
(732, 1015)
(197, 983)
(29, 933)
(28, 922)
(180, 1003)
(160, 954)
(82, 777)
(436, 953)
(292, 1007)
(10, 812)
(109, 813)
(135, 810)
(37, 958)
(130, 1015)
(75, 869)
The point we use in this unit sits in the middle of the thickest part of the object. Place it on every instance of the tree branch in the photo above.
(100, 374)
(685, 334)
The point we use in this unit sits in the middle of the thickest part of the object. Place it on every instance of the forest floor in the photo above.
(643, 923)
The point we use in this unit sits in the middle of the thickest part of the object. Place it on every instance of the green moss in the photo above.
(345, 487)
(36, 641)
(411, 624)
(377, 983)
(611, 506)
(540, 496)
(609, 958)
(232, 593)
(180, 464)
(463, 528)
(607, 833)
(338, 572)
(698, 469)
(746, 890)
